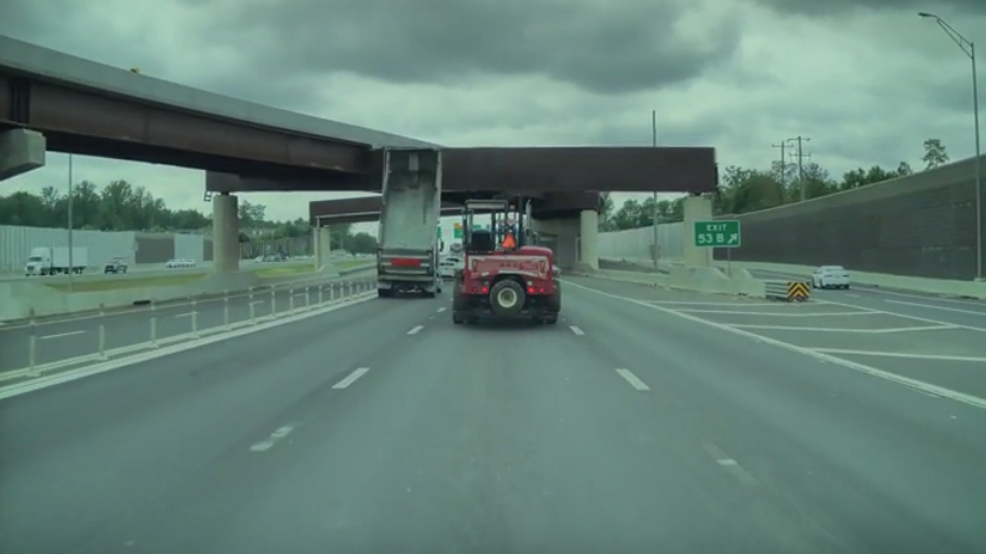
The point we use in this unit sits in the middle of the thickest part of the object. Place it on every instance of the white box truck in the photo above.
(55, 260)
(408, 243)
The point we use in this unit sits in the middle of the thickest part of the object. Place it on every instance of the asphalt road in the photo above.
(381, 427)
(64, 338)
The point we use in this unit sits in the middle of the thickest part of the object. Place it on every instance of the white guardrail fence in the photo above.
(40, 346)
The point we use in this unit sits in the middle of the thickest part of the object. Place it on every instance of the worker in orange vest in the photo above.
(508, 242)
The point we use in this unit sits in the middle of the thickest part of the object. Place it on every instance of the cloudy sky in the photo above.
(867, 80)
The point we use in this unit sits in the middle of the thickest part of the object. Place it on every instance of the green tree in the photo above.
(934, 154)
(361, 243)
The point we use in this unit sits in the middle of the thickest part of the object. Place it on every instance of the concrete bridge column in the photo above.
(323, 247)
(21, 150)
(588, 241)
(225, 233)
(696, 208)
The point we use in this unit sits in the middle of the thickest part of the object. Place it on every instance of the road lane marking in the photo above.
(416, 329)
(351, 378)
(634, 381)
(942, 357)
(576, 330)
(957, 396)
(60, 335)
(731, 465)
(929, 296)
(933, 307)
(277, 435)
(841, 329)
(442, 309)
(905, 316)
(776, 314)
(186, 314)
(707, 303)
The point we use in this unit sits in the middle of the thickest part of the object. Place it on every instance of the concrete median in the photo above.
(672, 274)
(26, 298)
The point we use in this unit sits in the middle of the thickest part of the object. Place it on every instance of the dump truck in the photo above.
(409, 246)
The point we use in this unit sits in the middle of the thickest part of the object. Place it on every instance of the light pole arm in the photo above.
(965, 44)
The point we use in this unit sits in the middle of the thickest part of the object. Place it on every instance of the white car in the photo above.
(446, 269)
(830, 277)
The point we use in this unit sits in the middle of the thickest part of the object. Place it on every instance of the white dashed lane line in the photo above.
(416, 329)
(576, 330)
(274, 437)
(351, 378)
(634, 381)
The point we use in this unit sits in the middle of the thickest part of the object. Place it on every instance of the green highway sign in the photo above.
(724, 233)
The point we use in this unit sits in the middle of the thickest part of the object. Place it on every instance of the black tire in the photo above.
(507, 298)
(458, 318)
(459, 301)
(385, 293)
(428, 294)
(550, 320)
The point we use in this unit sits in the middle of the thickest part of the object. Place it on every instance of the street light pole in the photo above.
(653, 126)
(71, 243)
(969, 49)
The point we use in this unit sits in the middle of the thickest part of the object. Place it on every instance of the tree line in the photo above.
(743, 190)
(121, 206)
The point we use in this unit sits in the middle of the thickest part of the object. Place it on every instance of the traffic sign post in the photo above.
(718, 234)
(724, 233)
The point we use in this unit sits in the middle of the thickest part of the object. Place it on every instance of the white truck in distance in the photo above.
(55, 260)
(407, 256)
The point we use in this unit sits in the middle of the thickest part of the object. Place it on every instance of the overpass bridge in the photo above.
(50, 100)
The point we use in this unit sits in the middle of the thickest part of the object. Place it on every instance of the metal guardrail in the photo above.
(787, 291)
(164, 323)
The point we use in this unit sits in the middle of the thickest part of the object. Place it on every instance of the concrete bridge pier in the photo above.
(21, 150)
(323, 247)
(696, 208)
(225, 233)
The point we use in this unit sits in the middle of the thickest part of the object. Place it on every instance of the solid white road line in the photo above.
(922, 386)
(634, 381)
(351, 378)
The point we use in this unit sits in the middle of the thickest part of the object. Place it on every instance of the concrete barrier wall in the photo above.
(922, 225)
(16, 243)
(637, 244)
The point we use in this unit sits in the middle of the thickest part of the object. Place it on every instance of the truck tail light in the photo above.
(530, 290)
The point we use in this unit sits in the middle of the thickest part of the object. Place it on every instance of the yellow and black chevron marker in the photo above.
(798, 291)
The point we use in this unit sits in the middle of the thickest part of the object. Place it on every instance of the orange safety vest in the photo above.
(508, 242)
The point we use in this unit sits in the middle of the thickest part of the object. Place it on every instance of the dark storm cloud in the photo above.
(605, 46)
(837, 7)
(64, 25)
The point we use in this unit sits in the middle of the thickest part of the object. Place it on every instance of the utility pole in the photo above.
(653, 126)
(801, 165)
(783, 166)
